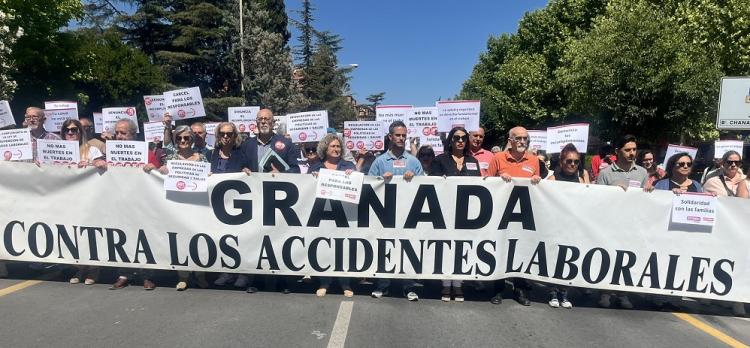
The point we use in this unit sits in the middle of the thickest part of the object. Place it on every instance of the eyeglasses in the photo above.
(310, 150)
(462, 138)
(185, 138)
(121, 133)
(730, 163)
(572, 161)
(33, 117)
(521, 138)
(684, 164)
(263, 119)
(73, 130)
(225, 134)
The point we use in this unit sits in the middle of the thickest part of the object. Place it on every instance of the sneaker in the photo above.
(458, 294)
(75, 280)
(377, 293)
(223, 279)
(306, 279)
(242, 281)
(321, 292)
(446, 294)
(604, 301)
(89, 281)
(625, 302)
(412, 296)
(554, 303)
(348, 293)
(566, 304)
(181, 286)
(738, 309)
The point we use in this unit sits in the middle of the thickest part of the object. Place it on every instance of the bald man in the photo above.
(267, 140)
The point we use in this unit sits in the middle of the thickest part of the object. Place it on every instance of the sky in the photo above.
(416, 51)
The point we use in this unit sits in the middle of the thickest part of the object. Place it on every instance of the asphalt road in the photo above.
(53, 312)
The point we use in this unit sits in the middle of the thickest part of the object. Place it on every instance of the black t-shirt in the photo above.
(445, 165)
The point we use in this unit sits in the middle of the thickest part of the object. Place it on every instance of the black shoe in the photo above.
(286, 291)
(251, 290)
(497, 299)
(521, 298)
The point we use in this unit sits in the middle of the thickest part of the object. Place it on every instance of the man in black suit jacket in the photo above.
(267, 140)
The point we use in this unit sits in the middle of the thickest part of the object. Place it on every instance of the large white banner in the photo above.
(429, 228)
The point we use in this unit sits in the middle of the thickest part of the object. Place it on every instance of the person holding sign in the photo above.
(267, 140)
(330, 155)
(677, 178)
(34, 120)
(729, 182)
(455, 161)
(199, 140)
(396, 161)
(90, 155)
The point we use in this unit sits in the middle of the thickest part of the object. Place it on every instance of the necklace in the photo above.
(685, 184)
(459, 162)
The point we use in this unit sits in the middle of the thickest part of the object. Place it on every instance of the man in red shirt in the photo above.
(484, 157)
(516, 162)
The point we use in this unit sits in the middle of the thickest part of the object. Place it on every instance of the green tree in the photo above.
(375, 99)
(326, 85)
(306, 36)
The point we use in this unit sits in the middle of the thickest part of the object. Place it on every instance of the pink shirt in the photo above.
(484, 157)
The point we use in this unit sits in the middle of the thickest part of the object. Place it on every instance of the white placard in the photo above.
(187, 176)
(307, 126)
(723, 146)
(122, 153)
(61, 104)
(244, 118)
(98, 122)
(211, 133)
(538, 139)
(675, 149)
(458, 113)
(366, 135)
(694, 209)
(734, 103)
(155, 107)
(576, 134)
(15, 145)
(279, 121)
(184, 103)
(58, 151)
(54, 118)
(389, 113)
(422, 122)
(153, 132)
(6, 115)
(110, 116)
(336, 185)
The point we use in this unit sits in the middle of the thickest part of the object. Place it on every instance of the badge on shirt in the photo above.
(471, 166)
(279, 145)
(484, 165)
(399, 164)
(634, 183)
(528, 169)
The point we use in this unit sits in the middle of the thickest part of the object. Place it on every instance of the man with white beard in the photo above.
(34, 120)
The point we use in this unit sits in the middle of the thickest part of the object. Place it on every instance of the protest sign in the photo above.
(389, 113)
(62, 104)
(153, 132)
(110, 116)
(54, 118)
(367, 135)
(244, 118)
(576, 134)
(211, 133)
(6, 115)
(422, 123)
(694, 209)
(734, 103)
(58, 151)
(336, 185)
(538, 139)
(279, 123)
(675, 149)
(184, 103)
(98, 122)
(723, 146)
(307, 126)
(15, 145)
(187, 176)
(127, 153)
(458, 113)
(155, 107)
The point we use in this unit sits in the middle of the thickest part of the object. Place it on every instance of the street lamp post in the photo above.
(242, 55)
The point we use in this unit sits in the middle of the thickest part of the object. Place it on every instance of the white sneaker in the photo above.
(625, 302)
(223, 279)
(412, 296)
(242, 281)
(738, 309)
(554, 303)
(377, 293)
(75, 280)
(604, 301)
(566, 304)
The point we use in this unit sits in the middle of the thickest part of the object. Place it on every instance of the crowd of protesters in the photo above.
(620, 164)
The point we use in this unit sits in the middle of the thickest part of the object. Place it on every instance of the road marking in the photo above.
(18, 287)
(341, 326)
(710, 330)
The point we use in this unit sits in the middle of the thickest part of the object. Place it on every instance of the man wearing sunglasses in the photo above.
(267, 140)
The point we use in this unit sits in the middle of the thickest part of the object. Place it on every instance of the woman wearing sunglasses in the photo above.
(455, 161)
(727, 182)
(569, 169)
(72, 130)
(677, 178)
(311, 158)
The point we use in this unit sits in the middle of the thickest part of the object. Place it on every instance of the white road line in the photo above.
(341, 326)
